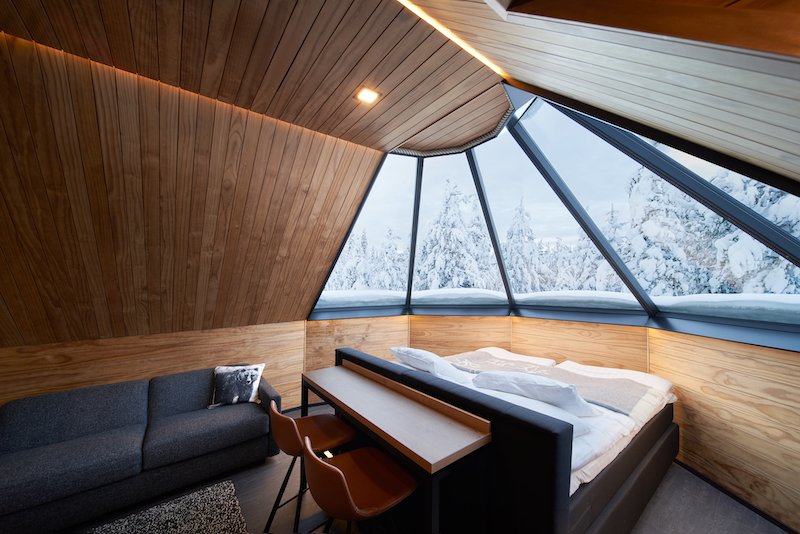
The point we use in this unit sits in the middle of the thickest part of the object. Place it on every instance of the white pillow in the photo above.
(497, 352)
(647, 379)
(541, 388)
(431, 363)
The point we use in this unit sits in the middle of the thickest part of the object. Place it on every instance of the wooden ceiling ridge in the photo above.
(297, 61)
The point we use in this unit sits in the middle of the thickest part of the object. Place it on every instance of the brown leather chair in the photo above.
(327, 431)
(357, 484)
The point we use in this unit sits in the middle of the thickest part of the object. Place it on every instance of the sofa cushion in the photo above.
(63, 416)
(187, 435)
(180, 393)
(43, 474)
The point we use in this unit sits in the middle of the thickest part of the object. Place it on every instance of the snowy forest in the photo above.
(673, 246)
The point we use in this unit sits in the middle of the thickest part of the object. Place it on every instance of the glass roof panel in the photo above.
(455, 262)
(372, 269)
(549, 259)
(685, 256)
(773, 204)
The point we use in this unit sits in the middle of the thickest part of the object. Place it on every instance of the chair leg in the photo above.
(280, 496)
(300, 494)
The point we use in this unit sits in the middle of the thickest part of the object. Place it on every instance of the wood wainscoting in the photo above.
(375, 335)
(26, 371)
(446, 335)
(738, 409)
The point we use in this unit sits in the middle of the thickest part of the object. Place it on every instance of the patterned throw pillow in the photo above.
(236, 383)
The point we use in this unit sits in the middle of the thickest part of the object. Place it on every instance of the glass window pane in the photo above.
(773, 204)
(455, 261)
(685, 256)
(549, 259)
(372, 269)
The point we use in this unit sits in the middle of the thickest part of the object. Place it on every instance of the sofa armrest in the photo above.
(268, 393)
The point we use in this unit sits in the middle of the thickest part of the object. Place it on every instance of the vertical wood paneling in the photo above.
(90, 23)
(737, 409)
(65, 26)
(169, 18)
(375, 335)
(39, 27)
(151, 115)
(220, 33)
(168, 199)
(196, 16)
(589, 343)
(248, 23)
(118, 31)
(144, 32)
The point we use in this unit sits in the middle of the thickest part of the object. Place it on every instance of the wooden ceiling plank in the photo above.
(169, 25)
(262, 267)
(65, 135)
(169, 105)
(245, 187)
(9, 333)
(25, 207)
(92, 30)
(420, 42)
(248, 23)
(220, 34)
(404, 76)
(65, 26)
(230, 182)
(296, 243)
(105, 89)
(88, 135)
(423, 89)
(460, 94)
(131, 143)
(184, 190)
(332, 31)
(271, 169)
(144, 32)
(308, 151)
(10, 20)
(269, 35)
(38, 24)
(29, 311)
(488, 106)
(222, 124)
(202, 156)
(118, 30)
(151, 115)
(351, 66)
(56, 228)
(294, 34)
(196, 20)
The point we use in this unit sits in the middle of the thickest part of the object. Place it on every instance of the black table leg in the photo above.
(303, 399)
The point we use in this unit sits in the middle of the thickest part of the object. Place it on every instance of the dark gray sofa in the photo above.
(69, 457)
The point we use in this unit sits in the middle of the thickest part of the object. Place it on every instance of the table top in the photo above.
(431, 433)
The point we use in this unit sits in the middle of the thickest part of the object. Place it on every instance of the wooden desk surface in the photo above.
(414, 426)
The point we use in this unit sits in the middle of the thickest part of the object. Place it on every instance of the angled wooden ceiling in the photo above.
(742, 102)
(297, 61)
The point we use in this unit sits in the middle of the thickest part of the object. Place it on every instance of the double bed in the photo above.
(546, 469)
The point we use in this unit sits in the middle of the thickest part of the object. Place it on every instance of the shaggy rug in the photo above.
(212, 510)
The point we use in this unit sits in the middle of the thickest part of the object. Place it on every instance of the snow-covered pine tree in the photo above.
(521, 252)
(389, 263)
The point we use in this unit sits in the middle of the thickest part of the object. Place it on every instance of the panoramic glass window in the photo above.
(773, 204)
(686, 257)
(549, 259)
(455, 261)
(372, 269)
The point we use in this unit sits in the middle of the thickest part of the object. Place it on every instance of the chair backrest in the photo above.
(284, 431)
(328, 486)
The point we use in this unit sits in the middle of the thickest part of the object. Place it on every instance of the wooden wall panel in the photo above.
(590, 343)
(741, 102)
(738, 411)
(298, 61)
(447, 335)
(375, 335)
(38, 369)
(137, 208)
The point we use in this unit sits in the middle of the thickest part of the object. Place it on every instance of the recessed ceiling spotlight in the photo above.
(368, 96)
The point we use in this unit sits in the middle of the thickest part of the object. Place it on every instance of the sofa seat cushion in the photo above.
(44, 474)
(187, 435)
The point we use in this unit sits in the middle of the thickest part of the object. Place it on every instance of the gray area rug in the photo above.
(212, 510)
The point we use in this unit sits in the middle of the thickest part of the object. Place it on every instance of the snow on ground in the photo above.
(749, 306)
